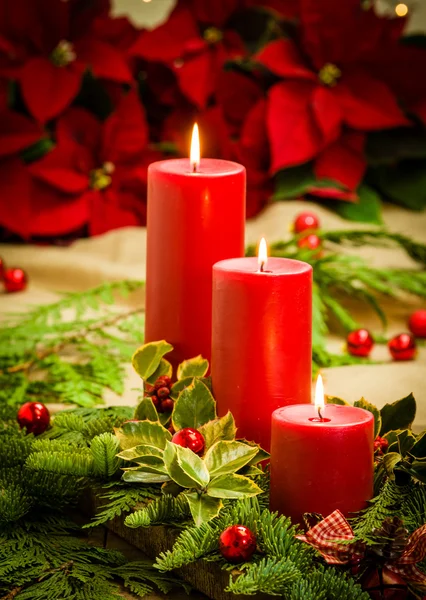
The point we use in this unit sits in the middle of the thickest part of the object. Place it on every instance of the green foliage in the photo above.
(194, 407)
(164, 509)
(35, 348)
(148, 361)
(120, 500)
(399, 415)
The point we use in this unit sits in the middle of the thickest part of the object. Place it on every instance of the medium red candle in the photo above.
(196, 217)
(321, 464)
(261, 342)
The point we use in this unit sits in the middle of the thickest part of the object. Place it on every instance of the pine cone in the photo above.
(390, 540)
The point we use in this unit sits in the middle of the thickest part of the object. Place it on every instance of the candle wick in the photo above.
(194, 167)
(319, 412)
(261, 267)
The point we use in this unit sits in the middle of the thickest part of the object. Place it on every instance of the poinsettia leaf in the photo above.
(184, 469)
(367, 210)
(419, 448)
(203, 508)
(390, 460)
(146, 410)
(393, 145)
(232, 486)
(143, 477)
(398, 415)
(403, 183)
(293, 183)
(374, 411)
(142, 433)
(147, 358)
(179, 386)
(194, 407)
(228, 457)
(193, 367)
(218, 429)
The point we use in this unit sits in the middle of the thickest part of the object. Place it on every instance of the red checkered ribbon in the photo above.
(332, 537)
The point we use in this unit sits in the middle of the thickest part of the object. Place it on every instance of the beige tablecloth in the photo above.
(121, 254)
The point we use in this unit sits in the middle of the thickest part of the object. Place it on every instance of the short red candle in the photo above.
(194, 220)
(320, 466)
(261, 345)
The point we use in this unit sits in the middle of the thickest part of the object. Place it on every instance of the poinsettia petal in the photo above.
(282, 58)
(118, 32)
(215, 13)
(16, 132)
(15, 196)
(343, 161)
(125, 134)
(331, 193)
(64, 168)
(368, 103)
(47, 89)
(54, 213)
(327, 112)
(112, 209)
(103, 60)
(196, 77)
(292, 128)
(167, 42)
(236, 94)
(254, 143)
(79, 126)
(287, 9)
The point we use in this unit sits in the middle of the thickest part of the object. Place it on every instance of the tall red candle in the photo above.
(320, 465)
(195, 218)
(261, 340)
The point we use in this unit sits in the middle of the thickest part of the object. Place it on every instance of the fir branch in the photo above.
(104, 449)
(272, 575)
(165, 509)
(121, 500)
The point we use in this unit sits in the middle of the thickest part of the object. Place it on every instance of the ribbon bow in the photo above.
(332, 538)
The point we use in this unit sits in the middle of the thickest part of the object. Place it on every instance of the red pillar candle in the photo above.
(261, 340)
(196, 217)
(321, 464)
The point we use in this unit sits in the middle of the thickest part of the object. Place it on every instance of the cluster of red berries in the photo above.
(14, 279)
(380, 445)
(307, 222)
(401, 347)
(160, 394)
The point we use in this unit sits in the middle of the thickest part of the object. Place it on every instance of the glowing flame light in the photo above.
(262, 257)
(319, 394)
(194, 156)
(401, 10)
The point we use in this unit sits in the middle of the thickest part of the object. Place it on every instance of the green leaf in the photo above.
(203, 508)
(366, 210)
(399, 415)
(390, 460)
(336, 400)
(392, 438)
(146, 410)
(185, 470)
(159, 468)
(390, 146)
(406, 440)
(194, 367)
(179, 386)
(419, 448)
(141, 451)
(147, 358)
(418, 470)
(232, 486)
(163, 369)
(194, 407)
(219, 429)
(228, 457)
(294, 182)
(143, 477)
(142, 433)
(374, 411)
(404, 183)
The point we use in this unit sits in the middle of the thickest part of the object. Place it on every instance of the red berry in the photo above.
(155, 401)
(380, 444)
(163, 381)
(402, 347)
(167, 405)
(163, 392)
(15, 280)
(34, 416)
(417, 323)
(359, 342)
(189, 438)
(304, 221)
(311, 242)
(237, 543)
(2, 268)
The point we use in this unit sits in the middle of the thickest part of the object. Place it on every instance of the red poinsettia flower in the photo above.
(17, 132)
(97, 173)
(194, 42)
(327, 86)
(51, 46)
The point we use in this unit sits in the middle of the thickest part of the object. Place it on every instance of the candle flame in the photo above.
(262, 257)
(195, 148)
(319, 394)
